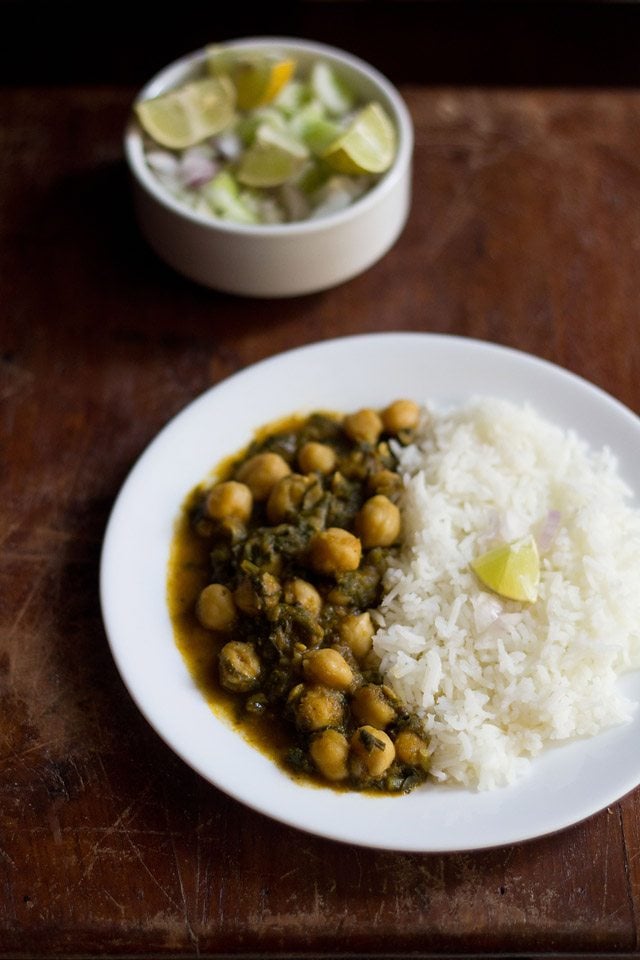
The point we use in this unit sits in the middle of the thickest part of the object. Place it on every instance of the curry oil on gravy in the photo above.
(188, 575)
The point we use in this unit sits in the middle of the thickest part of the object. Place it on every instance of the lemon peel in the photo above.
(189, 114)
(368, 145)
(258, 82)
(273, 159)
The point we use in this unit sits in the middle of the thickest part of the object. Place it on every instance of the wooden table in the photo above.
(525, 231)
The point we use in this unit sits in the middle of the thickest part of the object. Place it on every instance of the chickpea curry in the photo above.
(276, 568)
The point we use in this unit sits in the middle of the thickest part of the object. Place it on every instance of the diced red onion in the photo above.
(491, 533)
(549, 529)
(197, 168)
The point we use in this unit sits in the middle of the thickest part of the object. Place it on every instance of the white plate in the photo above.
(565, 785)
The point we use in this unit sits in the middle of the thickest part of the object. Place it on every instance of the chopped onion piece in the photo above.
(163, 162)
(229, 145)
(486, 610)
(549, 529)
(491, 533)
(270, 211)
(294, 202)
(197, 167)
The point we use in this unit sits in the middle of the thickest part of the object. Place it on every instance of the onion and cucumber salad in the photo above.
(257, 141)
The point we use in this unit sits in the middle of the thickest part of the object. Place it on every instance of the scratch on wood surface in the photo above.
(605, 879)
(191, 933)
(7, 859)
(104, 832)
(380, 911)
(627, 860)
(18, 616)
(109, 896)
(17, 756)
(120, 828)
(358, 860)
(54, 824)
(151, 875)
(318, 900)
(198, 854)
(193, 937)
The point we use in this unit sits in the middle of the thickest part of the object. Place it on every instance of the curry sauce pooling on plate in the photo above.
(274, 572)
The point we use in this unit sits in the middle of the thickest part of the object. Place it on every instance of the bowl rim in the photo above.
(134, 150)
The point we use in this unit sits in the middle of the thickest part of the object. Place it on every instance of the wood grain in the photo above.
(525, 231)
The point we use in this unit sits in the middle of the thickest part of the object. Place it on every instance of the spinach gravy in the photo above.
(275, 570)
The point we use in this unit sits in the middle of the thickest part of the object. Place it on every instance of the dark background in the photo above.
(539, 43)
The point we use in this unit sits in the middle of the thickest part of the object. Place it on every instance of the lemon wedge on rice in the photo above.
(368, 145)
(186, 116)
(511, 570)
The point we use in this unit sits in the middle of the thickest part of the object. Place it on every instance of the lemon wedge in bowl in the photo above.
(189, 114)
(257, 79)
(273, 159)
(368, 145)
(258, 83)
(511, 570)
(330, 90)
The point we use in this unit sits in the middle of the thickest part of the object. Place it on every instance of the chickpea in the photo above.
(317, 458)
(365, 426)
(378, 522)
(215, 608)
(401, 415)
(304, 594)
(411, 749)
(239, 666)
(230, 500)
(373, 750)
(328, 667)
(318, 707)
(286, 496)
(261, 472)
(329, 751)
(387, 482)
(246, 598)
(356, 631)
(334, 551)
(369, 705)
(252, 598)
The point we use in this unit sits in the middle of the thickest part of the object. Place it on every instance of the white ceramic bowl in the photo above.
(277, 260)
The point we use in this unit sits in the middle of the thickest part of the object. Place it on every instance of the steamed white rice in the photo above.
(495, 680)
